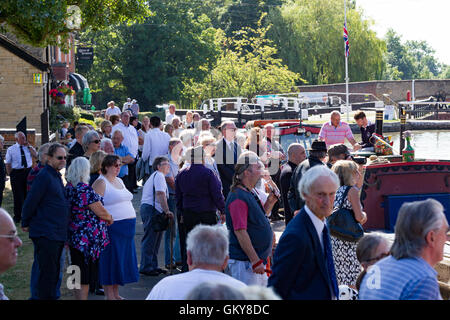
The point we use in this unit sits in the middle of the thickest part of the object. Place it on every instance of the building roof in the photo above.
(24, 55)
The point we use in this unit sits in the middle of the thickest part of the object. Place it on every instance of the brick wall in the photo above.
(19, 97)
(396, 89)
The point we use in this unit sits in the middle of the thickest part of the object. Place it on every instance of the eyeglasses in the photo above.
(95, 141)
(381, 256)
(61, 157)
(11, 237)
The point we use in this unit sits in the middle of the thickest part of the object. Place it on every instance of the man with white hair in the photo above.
(171, 114)
(207, 257)
(336, 131)
(408, 273)
(126, 105)
(9, 242)
(111, 110)
(19, 159)
(303, 266)
(125, 157)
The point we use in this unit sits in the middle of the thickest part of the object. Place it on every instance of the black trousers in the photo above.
(48, 255)
(132, 175)
(19, 190)
(190, 220)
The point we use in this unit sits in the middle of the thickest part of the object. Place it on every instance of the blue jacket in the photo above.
(299, 269)
(46, 210)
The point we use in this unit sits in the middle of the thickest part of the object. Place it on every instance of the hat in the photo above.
(318, 146)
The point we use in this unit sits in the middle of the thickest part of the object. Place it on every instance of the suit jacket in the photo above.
(226, 160)
(299, 265)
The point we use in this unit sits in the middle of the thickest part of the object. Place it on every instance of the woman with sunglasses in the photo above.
(90, 143)
(344, 252)
(118, 262)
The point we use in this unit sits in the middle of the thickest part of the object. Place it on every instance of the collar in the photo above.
(318, 224)
(53, 170)
(339, 124)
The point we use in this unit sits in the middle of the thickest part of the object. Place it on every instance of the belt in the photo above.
(21, 169)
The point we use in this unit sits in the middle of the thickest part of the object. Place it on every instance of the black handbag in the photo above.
(158, 222)
(342, 223)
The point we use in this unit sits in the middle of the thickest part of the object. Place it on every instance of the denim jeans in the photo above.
(150, 241)
(176, 257)
(35, 276)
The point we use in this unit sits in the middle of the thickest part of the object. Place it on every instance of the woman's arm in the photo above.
(353, 197)
(161, 198)
(99, 187)
(101, 212)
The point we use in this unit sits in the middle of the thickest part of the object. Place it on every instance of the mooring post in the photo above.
(402, 128)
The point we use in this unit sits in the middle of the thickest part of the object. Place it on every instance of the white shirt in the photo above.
(115, 110)
(156, 143)
(126, 105)
(14, 156)
(159, 181)
(130, 137)
(318, 224)
(118, 201)
(169, 118)
(178, 286)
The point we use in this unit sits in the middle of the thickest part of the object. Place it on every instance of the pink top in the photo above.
(239, 214)
(332, 135)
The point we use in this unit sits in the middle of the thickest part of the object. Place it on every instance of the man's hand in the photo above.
(25, 229)
(356, 147)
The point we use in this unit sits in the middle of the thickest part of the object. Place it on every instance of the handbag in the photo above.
(158, 222)
(342, 223)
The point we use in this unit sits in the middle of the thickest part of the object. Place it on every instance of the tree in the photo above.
(309, 35)
(246, 67)
(42, 23)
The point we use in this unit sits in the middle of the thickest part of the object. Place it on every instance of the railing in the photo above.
(422, 109)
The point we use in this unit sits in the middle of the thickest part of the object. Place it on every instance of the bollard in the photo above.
(379, 122)
(402, 128)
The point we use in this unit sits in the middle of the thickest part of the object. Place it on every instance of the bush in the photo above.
(59, 114)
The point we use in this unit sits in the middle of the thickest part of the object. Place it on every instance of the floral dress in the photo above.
(344, 252)
(87, 232)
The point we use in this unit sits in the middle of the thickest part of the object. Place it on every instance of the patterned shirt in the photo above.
(335, 135)
(87, 232)
(403, 279)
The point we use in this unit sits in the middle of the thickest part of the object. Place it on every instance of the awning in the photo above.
(78, 82)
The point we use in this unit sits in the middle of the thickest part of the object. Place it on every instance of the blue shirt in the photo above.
(123, 151)
(46, 210)
(404, 279)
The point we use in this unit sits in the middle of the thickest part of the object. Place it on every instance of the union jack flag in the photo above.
(347, 46)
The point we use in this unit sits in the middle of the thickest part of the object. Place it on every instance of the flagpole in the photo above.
(346, 63)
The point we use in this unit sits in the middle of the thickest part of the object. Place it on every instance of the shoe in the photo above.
(99, 292)
(161, 271)
(152, 273)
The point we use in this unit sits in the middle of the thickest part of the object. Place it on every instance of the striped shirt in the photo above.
(404, 279)
(335, 135)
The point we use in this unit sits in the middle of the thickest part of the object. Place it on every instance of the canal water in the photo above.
(427, 144)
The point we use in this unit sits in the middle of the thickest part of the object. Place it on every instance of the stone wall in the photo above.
(19, 97)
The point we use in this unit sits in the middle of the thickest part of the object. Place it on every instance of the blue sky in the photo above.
(414, 20)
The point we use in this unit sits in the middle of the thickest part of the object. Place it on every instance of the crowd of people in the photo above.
(211, 194)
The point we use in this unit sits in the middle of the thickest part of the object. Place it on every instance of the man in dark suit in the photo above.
(317, 155)
(296, 155)
(303, 267)
(77, 149)
(227, 153)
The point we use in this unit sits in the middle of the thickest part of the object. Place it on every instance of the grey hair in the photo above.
(78, 171)
(16, 135)
(88, 137)
(208, 245)
(368, 245)
(119, 131)
(257, 292)
(415, 220)
(335, 112)
(43, 149)
(310, 177)
(1, 138)
(186, 136)
(214, 291)
(157, 162)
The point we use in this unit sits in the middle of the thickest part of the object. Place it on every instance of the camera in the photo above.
(359, 160)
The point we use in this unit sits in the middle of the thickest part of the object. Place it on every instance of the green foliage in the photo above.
(40, 23)
(247, 66)
(60, 113)
(309, 35)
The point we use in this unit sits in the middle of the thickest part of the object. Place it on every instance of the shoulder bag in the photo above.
(342, 223)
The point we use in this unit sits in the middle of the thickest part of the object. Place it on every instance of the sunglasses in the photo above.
(61, 157)
(95, 141)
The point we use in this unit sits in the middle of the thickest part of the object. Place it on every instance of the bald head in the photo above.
(8, 241)
(296, 153)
